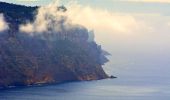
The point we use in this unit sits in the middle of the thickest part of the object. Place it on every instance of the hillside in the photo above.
(46, 58)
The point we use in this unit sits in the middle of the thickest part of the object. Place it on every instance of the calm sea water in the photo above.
(137, 80)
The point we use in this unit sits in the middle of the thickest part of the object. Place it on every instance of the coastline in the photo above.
(48, 84)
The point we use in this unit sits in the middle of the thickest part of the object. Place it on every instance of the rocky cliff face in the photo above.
(29, 60)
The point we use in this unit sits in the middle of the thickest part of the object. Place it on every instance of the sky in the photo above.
(133, 6)
(133, 30)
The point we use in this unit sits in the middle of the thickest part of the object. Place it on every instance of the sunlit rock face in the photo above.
(49, 57)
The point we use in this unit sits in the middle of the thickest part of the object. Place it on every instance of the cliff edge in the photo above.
(45, 58)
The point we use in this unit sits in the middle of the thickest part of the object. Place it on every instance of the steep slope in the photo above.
(43, 59)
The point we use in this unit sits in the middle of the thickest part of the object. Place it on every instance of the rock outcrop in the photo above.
(29, 60)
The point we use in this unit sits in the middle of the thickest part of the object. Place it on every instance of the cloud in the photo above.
(95, 19)
(27, 28)
(101, 20)
(152, 1)
(48, 18)
(3, 24)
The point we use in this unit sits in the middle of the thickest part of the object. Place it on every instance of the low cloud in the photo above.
(99, 20)
(3, 24)
(48, 18)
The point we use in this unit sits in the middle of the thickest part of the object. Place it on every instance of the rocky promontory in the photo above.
(62, 56)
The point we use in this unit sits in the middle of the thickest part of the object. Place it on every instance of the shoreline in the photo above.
(47, 84)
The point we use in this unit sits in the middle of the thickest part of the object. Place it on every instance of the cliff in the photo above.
(53, 58)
